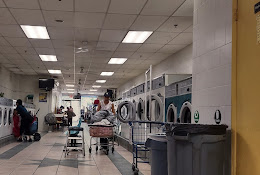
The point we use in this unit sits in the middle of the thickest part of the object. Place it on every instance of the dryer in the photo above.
(6, 117)
(178, 101)
(140, 102)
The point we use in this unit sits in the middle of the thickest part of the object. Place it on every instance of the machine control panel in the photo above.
(171, 90)
(6, 102)
(140, 89)
(158, 82)
(185, 86)
(133, 92)
(124, 96)
(128, 94)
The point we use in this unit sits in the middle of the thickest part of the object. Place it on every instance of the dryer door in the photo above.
(140, 110)
(185, 113)
(172, 113)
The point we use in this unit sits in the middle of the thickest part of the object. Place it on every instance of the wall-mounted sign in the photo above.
(196, 116)
(217, 116)
(43, 97)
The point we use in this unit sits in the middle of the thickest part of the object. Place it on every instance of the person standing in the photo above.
(26, 120)
(70, 114)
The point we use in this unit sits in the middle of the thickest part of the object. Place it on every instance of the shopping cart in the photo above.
(102, 131)
(139, 134)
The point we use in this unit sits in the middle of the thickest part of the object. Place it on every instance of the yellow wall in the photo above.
(245, 91)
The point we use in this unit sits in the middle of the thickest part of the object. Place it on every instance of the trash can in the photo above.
(195, 149)
(157, 144)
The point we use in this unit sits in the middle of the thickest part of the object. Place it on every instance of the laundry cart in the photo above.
(140, 131)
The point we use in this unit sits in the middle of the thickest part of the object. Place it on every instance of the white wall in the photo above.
(19, 86)
(178, 63)
(212, 36)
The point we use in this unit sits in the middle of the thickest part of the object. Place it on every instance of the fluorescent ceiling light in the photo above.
(96, 86)
(93, 90)
(70, 85)
(136, 36)
(70, 92)
(107, 73)
(117, 60)
(101, 81)
(36, 32)
(70, 89)
(54, 71)
(48, 57)
(91, 93)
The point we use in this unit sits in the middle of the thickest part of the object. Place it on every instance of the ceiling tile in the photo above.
(171, 48)
(26, 50)
(61, 33)
(36, 63)
(118, 21)
(182, 22)
(24, 4)
(3, 42)
(67, 53)
(122, 54)
(102, 54)
(51, 17)
(189, 30)
(161, 38)
(141, 55)
(41, 43)
(183, 38)
(45, 51)
(28, 17)
(167, 7)
(6, 49)
(2, 3)
(8, 65)
(128, 47)
(87, 34)
(160, 56)
(11, 31)
(5, 61)
(186, 9)
(28, 70)
(126, 6)
(19, 42)
(31, 57)
(151, 62)
(89, 20)
(101, 60)
(150, 47)
(13, 56)
(107, 46)
(148, 23)
(64, 5)
(112, 35)
(20, 62)
(24, 66)
(91, 5)
(62, 44)
(6, 17)
(134, 61)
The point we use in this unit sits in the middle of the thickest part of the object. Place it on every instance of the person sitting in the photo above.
(26, 120)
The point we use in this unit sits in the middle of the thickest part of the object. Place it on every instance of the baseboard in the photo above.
(6, 140)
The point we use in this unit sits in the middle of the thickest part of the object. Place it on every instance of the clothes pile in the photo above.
(102, 118)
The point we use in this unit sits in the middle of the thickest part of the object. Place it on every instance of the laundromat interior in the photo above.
(148, 87)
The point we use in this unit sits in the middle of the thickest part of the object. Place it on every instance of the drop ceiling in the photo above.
(97, 25)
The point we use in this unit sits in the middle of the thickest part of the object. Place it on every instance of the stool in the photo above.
(72, 138)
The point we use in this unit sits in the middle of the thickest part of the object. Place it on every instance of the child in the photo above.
(16, 128)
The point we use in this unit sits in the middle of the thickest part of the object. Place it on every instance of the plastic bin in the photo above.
(196, 149)
(158, 147)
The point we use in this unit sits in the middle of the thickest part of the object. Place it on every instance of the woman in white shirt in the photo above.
(106, 105)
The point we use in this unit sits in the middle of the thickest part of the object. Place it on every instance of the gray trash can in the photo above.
(196, 149)
(158, 156)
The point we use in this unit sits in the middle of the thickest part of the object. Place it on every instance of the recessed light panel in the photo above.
(48, 57)
(93, 90)
(137, 36)
(96, 86)
(107, 73)
(101, 81)
(70, 85)
(70, 92)
(71, 89)
(117, 60)
(35, 32)
(54, 71)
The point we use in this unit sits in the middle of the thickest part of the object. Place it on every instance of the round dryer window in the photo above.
(1, 116)
(5, 117)
(10, 116)
(185, 113)
(171, 113)
(140, 109)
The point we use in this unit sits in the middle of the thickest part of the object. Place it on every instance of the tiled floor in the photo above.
(47, 158)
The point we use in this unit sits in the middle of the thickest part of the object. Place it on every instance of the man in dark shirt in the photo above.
(26, 120)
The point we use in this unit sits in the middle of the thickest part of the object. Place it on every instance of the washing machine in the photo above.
(184, 91)
(140, 102)
(178, 101)
(6, 117)
(124, 127)
(133, 93)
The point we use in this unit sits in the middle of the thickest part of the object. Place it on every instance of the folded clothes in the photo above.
(102, 122)
(100, 115)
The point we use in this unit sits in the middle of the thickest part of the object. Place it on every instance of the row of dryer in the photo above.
(7, 107)
(170, 99)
